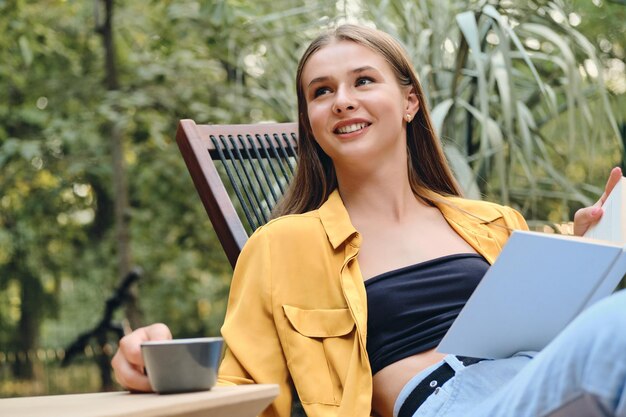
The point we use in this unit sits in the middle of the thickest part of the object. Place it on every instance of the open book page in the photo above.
(611, 281)
(539, 284)
(612, 225)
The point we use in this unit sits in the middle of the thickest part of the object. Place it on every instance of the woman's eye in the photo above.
(321, 91)
(364, 81)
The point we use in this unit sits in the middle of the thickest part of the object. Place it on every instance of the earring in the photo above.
(408, 117)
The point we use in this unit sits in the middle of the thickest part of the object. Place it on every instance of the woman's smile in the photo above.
(351, 128)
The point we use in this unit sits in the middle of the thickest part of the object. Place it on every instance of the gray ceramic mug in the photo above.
(182, 365)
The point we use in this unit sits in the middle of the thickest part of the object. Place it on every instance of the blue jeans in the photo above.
(587, 358)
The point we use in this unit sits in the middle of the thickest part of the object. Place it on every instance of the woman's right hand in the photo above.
(128, 362)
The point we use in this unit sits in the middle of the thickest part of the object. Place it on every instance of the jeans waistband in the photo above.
(429, 385)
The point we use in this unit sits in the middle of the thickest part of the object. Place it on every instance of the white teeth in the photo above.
(352, 128)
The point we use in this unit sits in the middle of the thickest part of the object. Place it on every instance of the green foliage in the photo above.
(56, 172)
(525, 118)
(178, 60)
(518, 96)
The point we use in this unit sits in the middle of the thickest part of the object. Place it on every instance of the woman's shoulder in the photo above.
(293, 237)
(487, 211)
(290, 226)
(487, 207)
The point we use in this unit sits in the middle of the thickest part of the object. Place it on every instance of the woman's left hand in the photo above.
(585, 217)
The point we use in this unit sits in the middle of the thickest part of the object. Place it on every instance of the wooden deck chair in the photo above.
(251, 163)
(248, 165)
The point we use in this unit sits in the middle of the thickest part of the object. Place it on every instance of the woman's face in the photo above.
(355, 104)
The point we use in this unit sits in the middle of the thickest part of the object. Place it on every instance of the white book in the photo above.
(537, 286)
(612, 225)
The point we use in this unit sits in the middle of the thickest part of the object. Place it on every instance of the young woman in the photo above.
(348, 292)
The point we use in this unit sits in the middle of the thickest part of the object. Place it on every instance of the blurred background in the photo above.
(529, 98)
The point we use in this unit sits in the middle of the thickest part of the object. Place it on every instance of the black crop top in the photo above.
(410, 309)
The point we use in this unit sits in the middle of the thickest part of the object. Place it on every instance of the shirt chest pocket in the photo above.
(318, 346)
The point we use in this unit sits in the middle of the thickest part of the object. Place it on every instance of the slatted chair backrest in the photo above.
(250, 165)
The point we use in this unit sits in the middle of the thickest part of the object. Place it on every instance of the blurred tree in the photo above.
(57, 234)
(113, 131)
(524, 115)
(518, 95)
(603, 23)
(40, 209)
(522, 98)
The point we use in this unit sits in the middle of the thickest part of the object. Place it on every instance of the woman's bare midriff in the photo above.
(389, 381)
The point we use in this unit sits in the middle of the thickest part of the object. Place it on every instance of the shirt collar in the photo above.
(336, 220)
(456, 211)
(466, 213)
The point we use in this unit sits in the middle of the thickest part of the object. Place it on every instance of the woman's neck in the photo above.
(381, 194)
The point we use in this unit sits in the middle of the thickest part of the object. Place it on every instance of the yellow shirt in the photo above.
(297, 310)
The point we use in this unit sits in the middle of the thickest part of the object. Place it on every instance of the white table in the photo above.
(236, 401)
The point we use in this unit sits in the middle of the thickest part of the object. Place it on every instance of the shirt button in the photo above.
(433, 384)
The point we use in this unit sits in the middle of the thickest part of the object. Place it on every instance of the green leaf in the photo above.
(494, 148)
(462, 172)
(501, 74)
(438, 114)
(469, 28)
(490, 11)
(27, 53)
(526, 123)
(30, 149)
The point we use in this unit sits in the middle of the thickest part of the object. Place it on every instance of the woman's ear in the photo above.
(412, 102)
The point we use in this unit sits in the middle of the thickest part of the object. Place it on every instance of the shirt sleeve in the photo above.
(253, 350)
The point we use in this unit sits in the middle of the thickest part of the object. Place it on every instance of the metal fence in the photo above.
(49, 377)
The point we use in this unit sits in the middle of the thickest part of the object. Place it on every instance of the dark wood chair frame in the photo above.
(203, 145)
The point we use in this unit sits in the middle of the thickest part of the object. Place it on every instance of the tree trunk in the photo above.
(120, 183)
(27, 338)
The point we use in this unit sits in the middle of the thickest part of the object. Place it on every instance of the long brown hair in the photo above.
(315, 176)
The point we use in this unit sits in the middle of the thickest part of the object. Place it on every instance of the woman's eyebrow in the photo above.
(318, 80)
(363, 69)
(354, 71)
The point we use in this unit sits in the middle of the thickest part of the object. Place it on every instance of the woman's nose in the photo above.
(344, 101)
